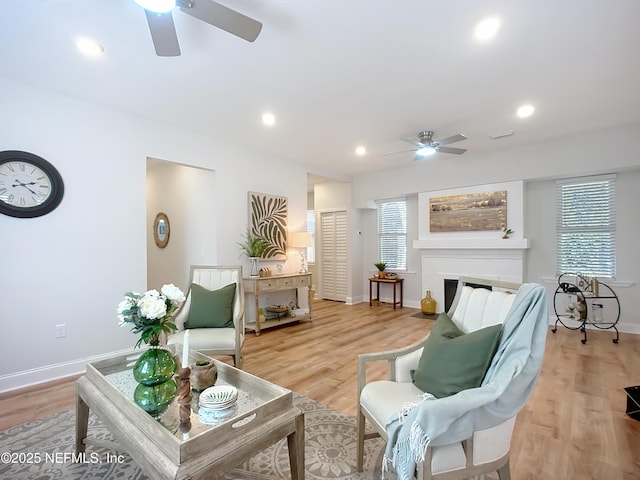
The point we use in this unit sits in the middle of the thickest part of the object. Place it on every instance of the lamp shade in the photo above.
(301, 239)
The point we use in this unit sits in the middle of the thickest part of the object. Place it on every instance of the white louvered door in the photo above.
(334, 255)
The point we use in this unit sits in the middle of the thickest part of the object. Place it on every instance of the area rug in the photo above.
(43, 450)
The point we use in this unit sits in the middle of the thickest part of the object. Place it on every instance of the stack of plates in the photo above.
(219, 397)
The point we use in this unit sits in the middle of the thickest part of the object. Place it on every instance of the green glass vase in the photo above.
(154, 399)
(155, 366)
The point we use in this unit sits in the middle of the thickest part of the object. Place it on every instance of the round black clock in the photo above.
(29, 185)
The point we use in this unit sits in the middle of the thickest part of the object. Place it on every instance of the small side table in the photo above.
(394, 282)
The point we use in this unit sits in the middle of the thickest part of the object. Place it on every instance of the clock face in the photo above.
(29, 185)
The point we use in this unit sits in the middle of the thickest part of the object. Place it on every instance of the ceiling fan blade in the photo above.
(397, 153)
(457, 151)
(413, 141)
(452, 139)
(222, 17)
(163, 34)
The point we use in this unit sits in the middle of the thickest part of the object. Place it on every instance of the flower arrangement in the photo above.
(150, 312)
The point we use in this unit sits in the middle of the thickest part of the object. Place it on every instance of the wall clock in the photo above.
(29, 185)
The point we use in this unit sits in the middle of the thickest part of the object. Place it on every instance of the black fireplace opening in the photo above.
(450, 287)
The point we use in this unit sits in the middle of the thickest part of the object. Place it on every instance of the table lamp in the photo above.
(301, 240)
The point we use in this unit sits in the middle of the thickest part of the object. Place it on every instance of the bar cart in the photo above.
(580, 301)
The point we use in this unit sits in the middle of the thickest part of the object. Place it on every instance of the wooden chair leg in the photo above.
(360, 450)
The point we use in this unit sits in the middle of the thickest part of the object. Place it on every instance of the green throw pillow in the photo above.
(211, 309)
(453, 361)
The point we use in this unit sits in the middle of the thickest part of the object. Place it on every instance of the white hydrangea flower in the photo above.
(152, 306)
(125, 305)
(173, 293)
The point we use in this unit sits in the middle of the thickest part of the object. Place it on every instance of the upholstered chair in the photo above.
(213, 312)
(476, 441)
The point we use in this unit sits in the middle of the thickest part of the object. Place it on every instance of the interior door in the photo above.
(333, 251)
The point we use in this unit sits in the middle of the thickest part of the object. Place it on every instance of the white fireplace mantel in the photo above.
(473, 244)
(450, 258)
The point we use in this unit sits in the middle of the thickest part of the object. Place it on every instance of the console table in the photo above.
(277, 283)
(393, 282)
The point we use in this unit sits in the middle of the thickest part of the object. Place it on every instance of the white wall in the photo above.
(73, 265)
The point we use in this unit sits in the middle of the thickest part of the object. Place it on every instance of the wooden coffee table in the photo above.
(263, 415)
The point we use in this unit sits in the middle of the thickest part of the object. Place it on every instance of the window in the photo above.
(586, 226)
(392, 233)
(311, 228)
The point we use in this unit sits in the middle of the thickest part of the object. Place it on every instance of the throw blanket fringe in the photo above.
(414, 447)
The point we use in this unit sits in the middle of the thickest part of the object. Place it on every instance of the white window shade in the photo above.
(586, 226)
(392, 233)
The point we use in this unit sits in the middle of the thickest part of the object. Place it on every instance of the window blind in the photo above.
(392, 232)
(311, 228)
(586, 226)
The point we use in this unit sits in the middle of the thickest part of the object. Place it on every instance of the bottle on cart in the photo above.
(597, 309)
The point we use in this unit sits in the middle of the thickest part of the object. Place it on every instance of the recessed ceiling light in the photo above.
(361, 150)
(268, 119)
(487, 29)
(89, 47)
(525, 111)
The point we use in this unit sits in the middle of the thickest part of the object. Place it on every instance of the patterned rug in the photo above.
(43, 450)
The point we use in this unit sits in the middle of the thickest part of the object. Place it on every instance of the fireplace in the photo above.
(440, 263)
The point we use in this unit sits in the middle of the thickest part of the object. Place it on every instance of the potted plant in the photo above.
(380, 266)
(506, 231)
(253, 246)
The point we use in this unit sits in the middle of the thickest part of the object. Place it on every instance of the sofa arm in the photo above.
(398, 358)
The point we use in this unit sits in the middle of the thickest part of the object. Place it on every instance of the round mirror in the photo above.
(161, 230)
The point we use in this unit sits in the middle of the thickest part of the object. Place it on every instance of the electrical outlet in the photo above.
(61, 330)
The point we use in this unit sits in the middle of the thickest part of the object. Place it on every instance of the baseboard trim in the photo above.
(48, 373)
(622, 327)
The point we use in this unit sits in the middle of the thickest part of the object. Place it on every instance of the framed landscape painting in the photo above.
(468, 212)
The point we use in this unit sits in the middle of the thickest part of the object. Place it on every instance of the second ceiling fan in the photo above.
(163, 31)
(426, 145)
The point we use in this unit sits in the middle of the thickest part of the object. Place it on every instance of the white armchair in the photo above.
(221, 340)
(485, 450)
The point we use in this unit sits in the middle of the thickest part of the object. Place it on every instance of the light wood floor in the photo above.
(573, 427)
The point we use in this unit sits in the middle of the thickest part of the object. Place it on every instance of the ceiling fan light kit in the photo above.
(425, 152)
(157, 6)
(163, 31)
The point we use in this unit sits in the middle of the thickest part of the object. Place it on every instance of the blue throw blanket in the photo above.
(505, 389)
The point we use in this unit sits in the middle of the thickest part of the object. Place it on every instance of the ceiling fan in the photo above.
(426, 145)
(163, 31)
